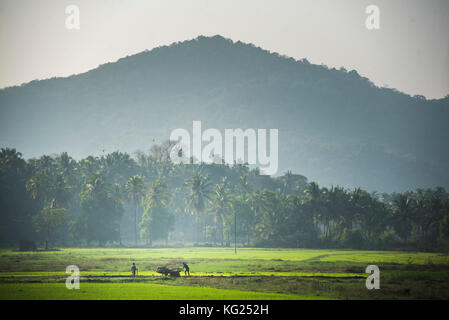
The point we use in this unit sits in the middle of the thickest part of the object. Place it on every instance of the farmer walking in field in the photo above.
(186, 269)
(133, 270)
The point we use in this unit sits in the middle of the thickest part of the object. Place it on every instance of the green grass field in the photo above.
(219, 273)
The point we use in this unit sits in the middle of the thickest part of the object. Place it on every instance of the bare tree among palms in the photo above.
(135, 188)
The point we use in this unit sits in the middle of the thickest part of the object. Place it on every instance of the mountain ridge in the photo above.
(221, 38)
(338, 123)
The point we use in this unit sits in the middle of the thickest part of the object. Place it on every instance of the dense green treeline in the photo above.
(116, 199)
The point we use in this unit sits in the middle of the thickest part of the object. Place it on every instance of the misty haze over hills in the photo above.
(335, 127)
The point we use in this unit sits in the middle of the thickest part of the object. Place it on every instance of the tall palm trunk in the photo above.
(48, 238)
(220, 229)
(119, 235)
(197, 229)
(205, 228)
(135, 225)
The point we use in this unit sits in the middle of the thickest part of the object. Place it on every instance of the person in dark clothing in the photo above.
(133, 270)
(186, 269)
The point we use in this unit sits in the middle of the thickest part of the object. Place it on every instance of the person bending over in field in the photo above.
(186, 269)
(133, 270)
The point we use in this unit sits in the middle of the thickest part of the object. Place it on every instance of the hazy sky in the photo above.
(410, 52)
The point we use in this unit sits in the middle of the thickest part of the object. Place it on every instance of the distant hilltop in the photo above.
(335, 127)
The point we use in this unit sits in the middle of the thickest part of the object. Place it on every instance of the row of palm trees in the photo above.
(150, 198)
(325, 216)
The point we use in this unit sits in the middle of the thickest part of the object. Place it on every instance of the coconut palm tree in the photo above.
(135, 188)
(221, 204)
(402, 215)
(199, 193)
(157, 194)
(156, 219)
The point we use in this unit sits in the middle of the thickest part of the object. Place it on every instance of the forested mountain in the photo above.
(335, 126)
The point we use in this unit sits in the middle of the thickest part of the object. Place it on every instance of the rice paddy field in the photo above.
(220, 274)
